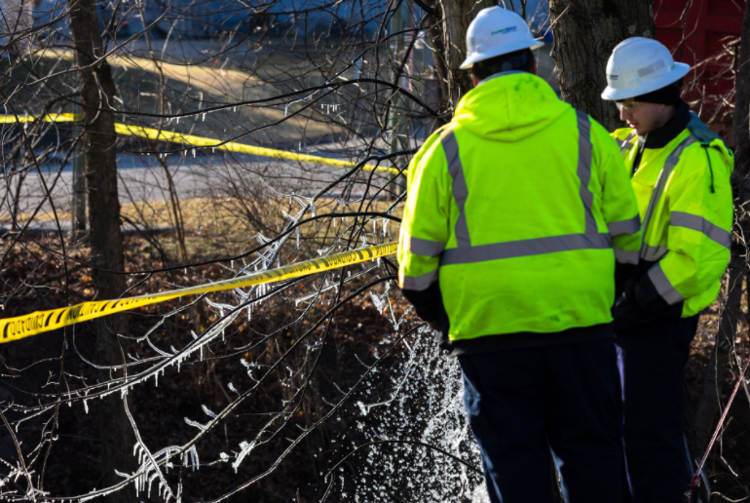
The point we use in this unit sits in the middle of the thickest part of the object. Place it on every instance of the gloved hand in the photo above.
(650, 302)
(626, 311)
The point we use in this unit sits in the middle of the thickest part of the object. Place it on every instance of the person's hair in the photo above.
(522, 60)
(667, 95)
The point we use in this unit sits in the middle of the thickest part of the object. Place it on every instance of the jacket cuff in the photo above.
(651, 302)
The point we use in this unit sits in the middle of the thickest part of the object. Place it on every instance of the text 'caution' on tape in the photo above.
(190, 140)
(45, 321)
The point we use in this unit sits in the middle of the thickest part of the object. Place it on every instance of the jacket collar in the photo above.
(498, 74)
(659, 138)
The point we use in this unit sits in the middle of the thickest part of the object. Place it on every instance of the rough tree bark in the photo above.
(585, 32)
(100, 166)
(708, 406)
(450, 20)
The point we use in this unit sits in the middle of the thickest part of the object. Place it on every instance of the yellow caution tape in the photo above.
(43, 321)
(11, 119)
(200, 141)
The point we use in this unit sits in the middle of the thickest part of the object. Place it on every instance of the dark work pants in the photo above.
(652, 362)
(527, 407)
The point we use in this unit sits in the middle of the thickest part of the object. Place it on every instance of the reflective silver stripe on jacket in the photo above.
(625, 144)
(419, 283)
(700, 224)
(629, 226)
(661, 182)
(465, 253)
(626, 256)
(663, 286)
(653, 253)
(525, 248)
(425, 247)
(584, 169)
(459, 188)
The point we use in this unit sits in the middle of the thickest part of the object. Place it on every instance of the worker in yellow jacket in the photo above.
(518, 213)
(680, 173)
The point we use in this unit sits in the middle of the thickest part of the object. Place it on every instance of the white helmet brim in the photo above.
(499, 51)
(639, 89)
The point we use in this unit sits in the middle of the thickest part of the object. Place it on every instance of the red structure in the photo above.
(705, 34)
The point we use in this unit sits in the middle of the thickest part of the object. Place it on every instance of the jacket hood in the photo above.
(509, 107)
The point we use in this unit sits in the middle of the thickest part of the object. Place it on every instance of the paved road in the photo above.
(143, 178)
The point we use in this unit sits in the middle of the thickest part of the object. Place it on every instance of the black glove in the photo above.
(626, 312)
(649, 300)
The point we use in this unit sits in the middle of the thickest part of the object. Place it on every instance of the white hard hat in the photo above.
(494, 32)
(638, 66)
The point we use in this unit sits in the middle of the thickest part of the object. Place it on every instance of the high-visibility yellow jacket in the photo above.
(514, 208)
(685, 203)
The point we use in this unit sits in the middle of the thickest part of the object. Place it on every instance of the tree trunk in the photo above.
(448, 41)
(100, 166)
(708, 404)
(585, 32)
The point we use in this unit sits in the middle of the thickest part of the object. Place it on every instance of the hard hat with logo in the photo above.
(494, 32)
(639, 66)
